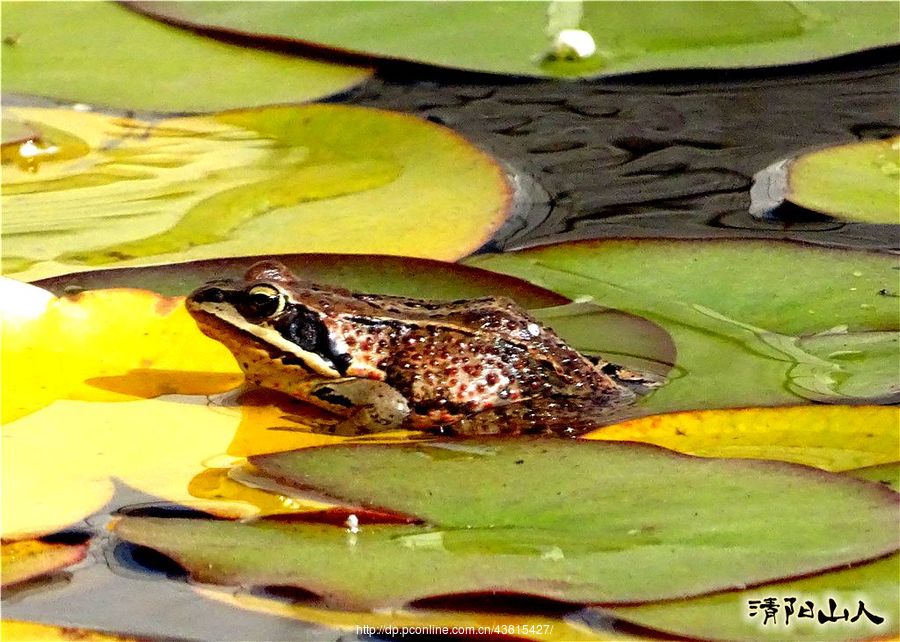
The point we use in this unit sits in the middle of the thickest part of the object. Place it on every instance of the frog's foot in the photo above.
(368, 406)
(549, 416)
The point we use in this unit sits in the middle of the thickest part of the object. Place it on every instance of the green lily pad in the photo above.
(101, 53)
(887, 474)
(856, 182)
(619, 337)
(29, 558)
(382, 274)
(575, 521)
(516, 37)
(277, 180)
(734, 310)
(726, 616)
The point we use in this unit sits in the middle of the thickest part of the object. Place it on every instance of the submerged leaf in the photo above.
(26, 559)
(517, 37)
(867, 367)
(101, 53)
(734, 309)
(830, 437)
(857, 182)
(700, 519)
(279, 180)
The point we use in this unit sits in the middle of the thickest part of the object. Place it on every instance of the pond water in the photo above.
(650, 156)
(669, 156)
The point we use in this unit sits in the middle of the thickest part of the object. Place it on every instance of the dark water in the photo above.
(663, 154)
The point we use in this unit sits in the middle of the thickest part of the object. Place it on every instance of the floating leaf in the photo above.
(111, 345)
(831, 437)
(30, 558)
(700, 519)
(857, 182)
(733, 309)
(77, 352)
(101, 53)
(16, 631)
(726, 616)
(516, 37)
(278, 180)
(61, 464)
(395, 275)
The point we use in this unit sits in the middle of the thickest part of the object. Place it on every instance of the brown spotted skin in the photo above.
(450, 360)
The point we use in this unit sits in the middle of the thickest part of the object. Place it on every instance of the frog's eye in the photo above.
(262, 301)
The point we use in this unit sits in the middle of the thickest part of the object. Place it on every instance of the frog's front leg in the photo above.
(368, 405)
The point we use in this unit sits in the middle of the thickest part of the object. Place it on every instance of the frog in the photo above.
(381, 362)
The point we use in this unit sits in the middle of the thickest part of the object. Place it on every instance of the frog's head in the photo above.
(273, 323)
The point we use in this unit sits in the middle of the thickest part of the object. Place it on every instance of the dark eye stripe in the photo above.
(302, 326)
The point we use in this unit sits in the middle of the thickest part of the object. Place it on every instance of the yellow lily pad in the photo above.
(325, 178)
(61, 356)
(111, 345)
(30, 558)
(17, 631)
(834, 438)
(61, 464)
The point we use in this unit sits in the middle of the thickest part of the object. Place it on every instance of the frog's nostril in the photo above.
(210, 295)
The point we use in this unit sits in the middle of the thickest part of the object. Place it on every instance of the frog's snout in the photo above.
(207, 294)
